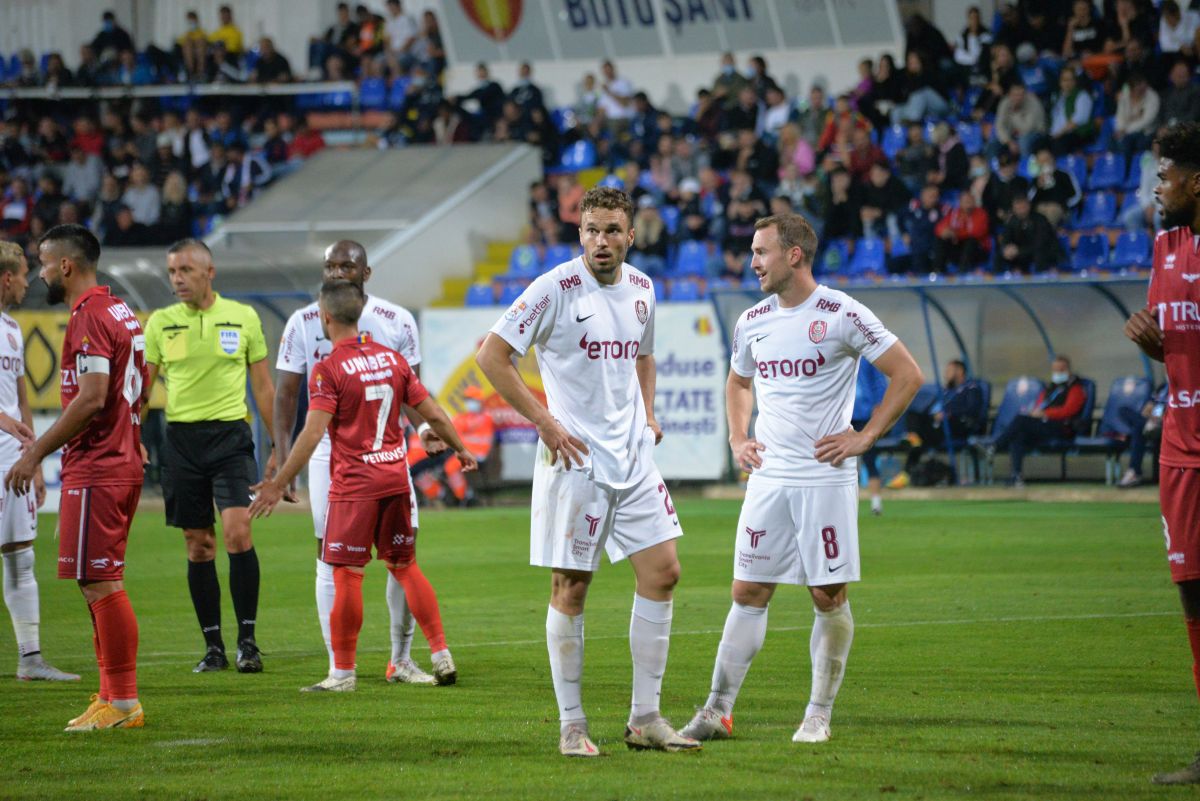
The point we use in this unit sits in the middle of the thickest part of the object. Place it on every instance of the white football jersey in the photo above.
(804, 361)
(304, 343)
(12, 367)
(587, 338)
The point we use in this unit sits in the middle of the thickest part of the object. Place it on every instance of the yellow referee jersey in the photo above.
(203, 356)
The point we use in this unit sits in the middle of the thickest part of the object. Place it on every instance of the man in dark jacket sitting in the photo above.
(1053, 417)
(1028, 241)
(960, 409)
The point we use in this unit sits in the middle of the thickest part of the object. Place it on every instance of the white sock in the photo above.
(745, 630)
(403, 622)
(829, 647)
(877, 504)
(325, 594)
(564, 641)
(649, 639)
(21, 598)
(124, 704)
(439, 654)
(341, 674)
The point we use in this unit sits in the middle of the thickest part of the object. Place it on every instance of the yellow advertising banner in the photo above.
(43, 332)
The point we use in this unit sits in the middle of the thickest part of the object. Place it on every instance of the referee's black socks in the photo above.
(206, 597)
(243, 586)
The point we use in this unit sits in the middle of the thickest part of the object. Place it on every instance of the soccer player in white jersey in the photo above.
(797, 352)
(18, 513)
(595, 486)
(304, 345)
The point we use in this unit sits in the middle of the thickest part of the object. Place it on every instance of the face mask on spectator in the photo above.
(474, 406)
(1059, 377)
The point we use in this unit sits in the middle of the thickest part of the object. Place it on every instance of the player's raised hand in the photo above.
(467, 460)
(745, 454)
(267, 495)
(837, 448)
(1142, 327)
(562, 445)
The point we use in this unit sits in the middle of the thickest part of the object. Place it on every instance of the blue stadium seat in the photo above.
(898, 247)
(373, 93)
(1098, 210)
(971, 135)
(1034, 78)
(480, 295)
(1133, 249)
(563, 118)
(835, 259)
(1134, 179)
(894, 138)
(869, 257)
(524, 262)
(692, 259)
(1122, 411)
(14, 66)
(1020, 393)
(670, 215)
(510, 291)
(337, 100)
(308, 101)
(1103, 141)
(719, 285)
(579, 156)
(1130, 202)
(750, 284)
(613, 182)
(556, 255)
(398, 94)
(251, 58)
(1108, 172)
(1076, 166)
(44, 63)
(682, 289)
(1090, 252)
(660, 291)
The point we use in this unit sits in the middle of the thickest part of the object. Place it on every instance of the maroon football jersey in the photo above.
(363, 385)
(1175, 296)
(104, 335)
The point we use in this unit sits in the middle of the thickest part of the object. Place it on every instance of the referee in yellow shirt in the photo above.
(203, 347)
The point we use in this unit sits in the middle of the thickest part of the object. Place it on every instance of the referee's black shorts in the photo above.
(203, 463)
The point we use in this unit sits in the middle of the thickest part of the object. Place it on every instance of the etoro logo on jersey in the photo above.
(791, 368)
(609, 348)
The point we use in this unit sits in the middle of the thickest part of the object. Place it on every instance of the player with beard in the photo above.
(18, 515)
(797, 353)
(103, 372)
(595, 486)
(1168, 330)
(303, 345)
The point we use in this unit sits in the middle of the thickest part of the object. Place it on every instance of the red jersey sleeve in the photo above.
(322, 388)
(1071, 407)
(96, 334)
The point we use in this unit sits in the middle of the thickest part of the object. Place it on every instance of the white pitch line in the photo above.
(708, 632)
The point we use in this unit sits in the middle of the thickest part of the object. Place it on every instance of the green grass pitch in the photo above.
(1003, 650)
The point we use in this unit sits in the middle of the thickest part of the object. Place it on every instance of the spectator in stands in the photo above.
(526, 93)
(428, 50)
(320, 48)
(971, 49)
(959, 408)
(1012, 29)
(759, 77)
(651, 238)
(191, 49)
(1003, 74)
(57, 74)
(400, 35)
(1071, 123)
(224, 67)
(1044, 31)
(82, 176)
(953, 168)
(127, 232)
(616, 98)
(860, 95)
(90, 70)
(884, 199)
(1137, 110)
(487, 96)
(812, 115)
(1020, 122)
(1126, 24)
(370, 32)
(963, 237)
(922, 98)
(744, 113)
(843, 215)
(587, 106)
(1053, 417)
(225, 131)
(863, 155)
(28, 75)
(195, 140)
(164, 161)
(916, 159)
(48, 198)
(1146, 432)
(142, 197)
(695, 224)
(740, 216)
(227, 33)
(111, 39)
(838, 124)
(777, 112)
(17, 209)
(887, 91)
(756, 158)
(1144, 214)
(1085, 33)
(273, 66)
(1182, 100)
(175, 221)
(922, 36)
(1027, 243)
(728, 83)
(50, 145)
(245, 174)
(104, 213)
(1002, 186)
(795, 151)
(1177, 30)
(1054, 191)
(129, 71)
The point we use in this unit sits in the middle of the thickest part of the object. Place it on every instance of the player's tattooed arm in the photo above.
(647, 374)
(1142, 327)
(495, 358)
(269, 492)
(441, 425)
(739, 405)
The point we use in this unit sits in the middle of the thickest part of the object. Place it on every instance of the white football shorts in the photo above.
(318, 495)
(573, 518)
(18, 516)
(797, 535)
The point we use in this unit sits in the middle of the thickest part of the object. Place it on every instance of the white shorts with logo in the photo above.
(318, 495)
(574, 518)
(18, 516)
(797, 535)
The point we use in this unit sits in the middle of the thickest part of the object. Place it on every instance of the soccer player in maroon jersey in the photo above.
(1168, 330)
(356, 393)
(103, 371)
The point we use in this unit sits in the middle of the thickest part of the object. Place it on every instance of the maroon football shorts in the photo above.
(352, 527)
(93, 528)
(1179, 496)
